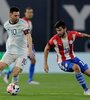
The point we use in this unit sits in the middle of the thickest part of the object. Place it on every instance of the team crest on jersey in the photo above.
(60, 44)
(71, 42)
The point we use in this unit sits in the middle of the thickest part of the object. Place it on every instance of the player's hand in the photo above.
(46, 68)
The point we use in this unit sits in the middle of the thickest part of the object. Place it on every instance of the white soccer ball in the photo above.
(13, 89)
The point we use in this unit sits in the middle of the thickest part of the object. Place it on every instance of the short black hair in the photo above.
(29, 8)
(60, 23)
(14, 9)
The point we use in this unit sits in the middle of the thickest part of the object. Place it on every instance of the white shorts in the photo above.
(19, 60)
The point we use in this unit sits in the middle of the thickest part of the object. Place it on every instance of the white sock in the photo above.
(15, 80)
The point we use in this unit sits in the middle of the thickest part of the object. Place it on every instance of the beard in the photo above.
(61, 35)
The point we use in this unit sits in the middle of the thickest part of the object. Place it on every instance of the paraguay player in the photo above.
(28, 16)
(67, 61)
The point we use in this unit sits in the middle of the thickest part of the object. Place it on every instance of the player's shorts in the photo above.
(68, 64)
(19, 60)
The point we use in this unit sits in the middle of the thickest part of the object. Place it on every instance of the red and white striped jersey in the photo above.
(64, 46)
(29, 23)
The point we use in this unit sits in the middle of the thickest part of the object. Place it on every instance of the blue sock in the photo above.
(80, 79)
(31, 72)
(8, 74)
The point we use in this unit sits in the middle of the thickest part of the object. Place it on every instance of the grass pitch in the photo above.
(51, 87)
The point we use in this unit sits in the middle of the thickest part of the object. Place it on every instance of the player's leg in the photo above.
(6, 72)
(32, 70)
(20, 63)
(84, 69)
(2, 61)
(70, 66)
(2, 65)
(87, 72)
(5, 61)
(15, 74)
(80, 77)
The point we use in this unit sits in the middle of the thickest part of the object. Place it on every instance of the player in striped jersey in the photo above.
(28, 16)
(66, 59)
(16, 46)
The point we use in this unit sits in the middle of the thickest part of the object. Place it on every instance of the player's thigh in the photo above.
(83, 66)
(66, 66)
(87, 72)
(2, 65)
(21, 61)
(6, 60)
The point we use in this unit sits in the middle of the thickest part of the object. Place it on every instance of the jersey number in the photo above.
(14, 31)
(82, 63)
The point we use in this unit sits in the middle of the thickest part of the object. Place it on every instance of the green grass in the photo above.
(52, 87)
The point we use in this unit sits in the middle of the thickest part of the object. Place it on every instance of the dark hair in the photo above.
(14, 9)
(29, 8)
(60, 23)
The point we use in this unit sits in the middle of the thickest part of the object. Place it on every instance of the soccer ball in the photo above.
(13, 89)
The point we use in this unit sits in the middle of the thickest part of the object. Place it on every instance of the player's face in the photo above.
(29, 13)
(61, 31)
(14, 17)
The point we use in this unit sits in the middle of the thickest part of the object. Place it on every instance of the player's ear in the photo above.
(65, 28)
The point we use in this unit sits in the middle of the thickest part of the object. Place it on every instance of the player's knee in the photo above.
(88, 74)
(33, 61)
(1, 68)
(15, 74)
(2, 65)
(76, 68)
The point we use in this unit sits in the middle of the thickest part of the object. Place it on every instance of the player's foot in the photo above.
(6, 80)
(87, 92)
(33, 82)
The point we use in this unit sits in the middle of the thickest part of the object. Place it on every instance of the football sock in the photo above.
(80, 79)
(31, 71)
(15, 79)
(8, 74)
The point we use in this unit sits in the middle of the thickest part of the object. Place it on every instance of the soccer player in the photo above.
(66, 59)
(28, 16)
(16, 46)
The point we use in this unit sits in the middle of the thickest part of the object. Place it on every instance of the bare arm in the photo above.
(46, 51)
(86, 35)
(29, 40)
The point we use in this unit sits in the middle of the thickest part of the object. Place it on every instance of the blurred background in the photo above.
(76, 14)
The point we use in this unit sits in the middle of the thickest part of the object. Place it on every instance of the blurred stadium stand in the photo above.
(46, 13)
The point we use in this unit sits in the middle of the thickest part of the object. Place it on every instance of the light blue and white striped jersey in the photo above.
(17, 40)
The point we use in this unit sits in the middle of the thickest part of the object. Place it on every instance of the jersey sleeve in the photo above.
(5, 25)
(78, 34)
(25, 28)
(50, 43)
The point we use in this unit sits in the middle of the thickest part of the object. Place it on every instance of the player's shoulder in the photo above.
(27, 20)
(72, 32)
(6, 23)
(22, 21)
(54, 37)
